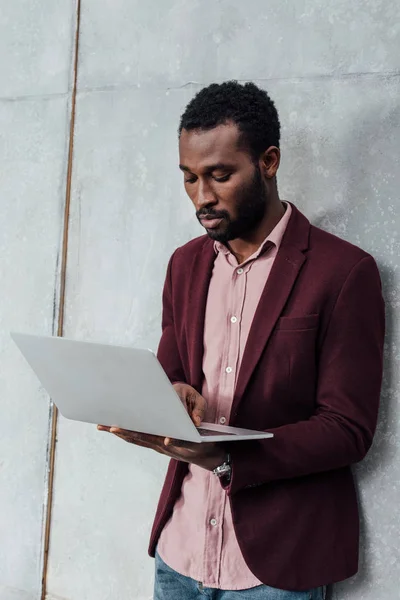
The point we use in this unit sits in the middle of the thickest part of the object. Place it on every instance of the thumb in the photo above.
(199, 410)
(196, 419)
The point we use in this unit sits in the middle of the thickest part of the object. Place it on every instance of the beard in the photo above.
(250, 209)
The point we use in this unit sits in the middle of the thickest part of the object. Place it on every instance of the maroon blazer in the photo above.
(311, 374)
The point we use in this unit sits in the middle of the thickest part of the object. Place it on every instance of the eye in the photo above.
(190, 180)
(223, 178)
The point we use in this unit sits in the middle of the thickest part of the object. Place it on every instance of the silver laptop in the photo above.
(119, 386)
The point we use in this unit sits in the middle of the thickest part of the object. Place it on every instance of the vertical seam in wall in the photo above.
(60, 328)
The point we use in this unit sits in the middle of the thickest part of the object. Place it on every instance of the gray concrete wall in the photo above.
(333, 69)
(35, 66)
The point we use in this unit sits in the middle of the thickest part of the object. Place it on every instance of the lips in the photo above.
(210, 223)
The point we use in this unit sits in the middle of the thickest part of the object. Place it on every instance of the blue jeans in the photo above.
(170, 585)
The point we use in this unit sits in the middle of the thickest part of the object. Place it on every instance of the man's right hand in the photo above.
(194, 402)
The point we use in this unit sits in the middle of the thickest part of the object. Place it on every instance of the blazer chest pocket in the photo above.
(297, 323)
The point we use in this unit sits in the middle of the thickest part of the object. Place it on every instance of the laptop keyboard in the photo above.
(209, 432)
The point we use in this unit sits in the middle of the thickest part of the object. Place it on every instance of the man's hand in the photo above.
(208, 456)
(194, 402)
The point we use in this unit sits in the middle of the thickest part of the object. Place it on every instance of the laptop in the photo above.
(117, 386)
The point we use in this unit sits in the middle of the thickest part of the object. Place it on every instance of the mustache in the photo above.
(204, 213)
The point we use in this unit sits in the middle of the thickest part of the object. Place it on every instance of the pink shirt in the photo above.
(199, 540)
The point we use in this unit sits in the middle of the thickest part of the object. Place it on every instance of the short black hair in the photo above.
(246, 105)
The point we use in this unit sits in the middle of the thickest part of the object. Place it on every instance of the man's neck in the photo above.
(243, 248)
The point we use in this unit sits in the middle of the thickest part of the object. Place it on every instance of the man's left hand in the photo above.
(208, 456)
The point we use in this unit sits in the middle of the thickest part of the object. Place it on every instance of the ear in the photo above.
(269, 162)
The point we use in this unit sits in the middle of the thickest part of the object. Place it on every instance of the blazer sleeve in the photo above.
(168, 352)
(347, 396)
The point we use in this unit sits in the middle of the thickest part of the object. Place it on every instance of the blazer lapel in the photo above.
(200, 277)
(286, 268)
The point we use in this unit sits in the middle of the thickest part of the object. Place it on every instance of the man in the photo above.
(268, 323)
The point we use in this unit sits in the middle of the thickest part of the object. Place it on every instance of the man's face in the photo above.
(223, 182)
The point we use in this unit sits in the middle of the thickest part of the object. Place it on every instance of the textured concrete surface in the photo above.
(32, 163)
(169, 43)
(35, 46)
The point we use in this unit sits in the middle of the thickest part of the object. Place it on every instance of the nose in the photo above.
(204, 196)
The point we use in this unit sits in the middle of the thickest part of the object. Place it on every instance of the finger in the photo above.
(197, 417)
(123, 437)
(134, 436)
(194, 402)
(172, 443)
(114, 429)
(134, 441)
(157, 448)
(199, 411)
(103, 428)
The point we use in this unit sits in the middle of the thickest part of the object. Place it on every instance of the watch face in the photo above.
(222, 470)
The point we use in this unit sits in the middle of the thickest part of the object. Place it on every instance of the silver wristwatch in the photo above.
(225, 470)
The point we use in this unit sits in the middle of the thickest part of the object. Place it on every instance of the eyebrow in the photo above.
(209, 169)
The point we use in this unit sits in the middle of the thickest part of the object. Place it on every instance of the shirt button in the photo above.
(213, 522)
(222, 420)
(228, 369)
(233, 319)
(239, 271)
